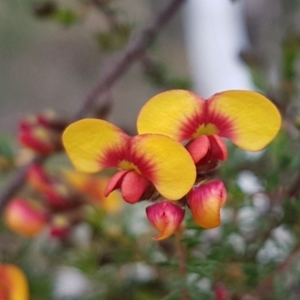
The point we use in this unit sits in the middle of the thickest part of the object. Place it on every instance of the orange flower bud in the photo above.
(166, 217)
(13, 283)
(205, 202)
(24, 217)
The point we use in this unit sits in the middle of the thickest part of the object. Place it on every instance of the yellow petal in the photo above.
(253, 120)
(88, 141)
(247, 118)
(165, 162)
(17, 285)
(176, 113)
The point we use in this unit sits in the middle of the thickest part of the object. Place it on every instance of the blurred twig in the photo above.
(264, 289)
(132, 53)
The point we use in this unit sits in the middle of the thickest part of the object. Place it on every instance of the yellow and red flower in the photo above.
(246, 118)
(179, 132)
(13, 283)
(142, 160)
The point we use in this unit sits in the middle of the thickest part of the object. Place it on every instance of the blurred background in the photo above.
(53, 53)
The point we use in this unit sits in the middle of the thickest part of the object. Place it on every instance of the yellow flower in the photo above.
(142, 160)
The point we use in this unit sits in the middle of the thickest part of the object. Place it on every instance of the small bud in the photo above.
(220, 292)
(26, 218)
(166, 217)
(205, 202)
(39, 133)
(59, 197)
(38, 178)
(60, 227)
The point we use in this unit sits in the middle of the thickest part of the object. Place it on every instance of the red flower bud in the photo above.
(166, 217)
(205, 202)
(26, 218)
(220, 292)
(38, 134)
(60, 227)
(38, 178)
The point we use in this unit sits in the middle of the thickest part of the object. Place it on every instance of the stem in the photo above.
(14, 184)
(181, 252)
(132, 53)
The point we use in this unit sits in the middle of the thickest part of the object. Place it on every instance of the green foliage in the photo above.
(66, 17)
(115, 38)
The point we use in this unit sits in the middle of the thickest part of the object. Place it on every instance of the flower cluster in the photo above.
(57, 202)
(41, 133)
(179, 143)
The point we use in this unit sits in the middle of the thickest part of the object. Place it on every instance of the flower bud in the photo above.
(220, 292)
(13, 283)
(26, 218)
(166, 217)
(60, 227)
(59, 197)
(37, 134)
(205, 202)
(38, 178)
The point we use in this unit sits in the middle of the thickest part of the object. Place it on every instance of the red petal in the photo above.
(115, 182)
(198, 147)
(133, 186)
(218, 148)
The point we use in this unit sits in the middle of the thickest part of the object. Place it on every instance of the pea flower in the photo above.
(13, 283)
(246, 118)
(143, 160)
(205, 202)
(166, 217)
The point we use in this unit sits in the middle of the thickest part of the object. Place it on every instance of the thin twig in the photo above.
(14, 184)
(132, 53)
(182, 264)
